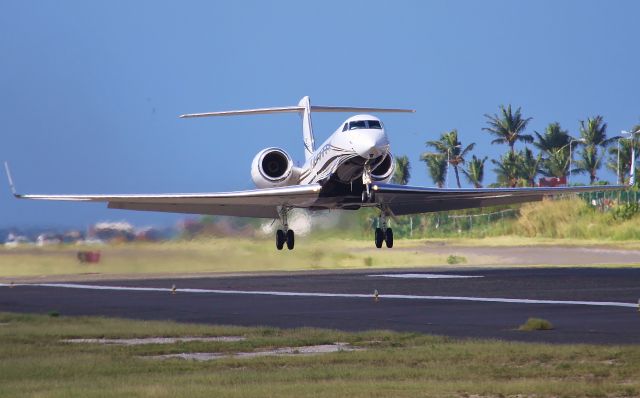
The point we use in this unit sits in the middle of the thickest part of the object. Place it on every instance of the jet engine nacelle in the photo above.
(273, 167)
(384, 170)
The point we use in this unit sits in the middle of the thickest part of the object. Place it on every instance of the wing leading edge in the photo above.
(403, 200)
(261, 203)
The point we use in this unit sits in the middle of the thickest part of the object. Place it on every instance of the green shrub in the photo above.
(625, 211)
(535, 324)
(453, 259)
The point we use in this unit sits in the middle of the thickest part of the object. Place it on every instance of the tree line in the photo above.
(559, 154)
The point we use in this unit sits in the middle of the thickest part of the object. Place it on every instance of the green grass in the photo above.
(212, 255)
(256, 255)
(35, 363)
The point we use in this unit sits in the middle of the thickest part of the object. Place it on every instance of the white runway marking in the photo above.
(313, 294)
(425, 276)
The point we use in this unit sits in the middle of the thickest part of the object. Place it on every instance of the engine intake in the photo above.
(273, 167)
(384, 170)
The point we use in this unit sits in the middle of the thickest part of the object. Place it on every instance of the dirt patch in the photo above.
(156, 340)
(284, 351)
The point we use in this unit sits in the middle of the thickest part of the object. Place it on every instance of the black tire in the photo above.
(379, 237)
(389, 238)
(280, 239)
(365, 197)
(290, 239)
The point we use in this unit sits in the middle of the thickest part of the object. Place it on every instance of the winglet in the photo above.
(13, 188)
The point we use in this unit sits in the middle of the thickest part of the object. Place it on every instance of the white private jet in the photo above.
(350, 170)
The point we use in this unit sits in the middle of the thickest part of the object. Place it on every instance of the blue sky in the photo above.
(90, 91)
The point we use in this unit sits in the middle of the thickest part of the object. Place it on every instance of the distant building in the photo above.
(48, 239)
(112, 231)
(72, 236)
(552, 181)
(150, 234)
(14, 240)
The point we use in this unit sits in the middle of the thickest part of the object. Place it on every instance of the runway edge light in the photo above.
(173, 289)
(375, 295)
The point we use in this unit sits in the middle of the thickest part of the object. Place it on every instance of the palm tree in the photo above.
(529, 166)
(437, 167)
(556, 164)
(594, 134)
(508, 169)
(554, 145)
(402, 172)
(589, 162)
(475, 171)
(451, 148)
(508, 128)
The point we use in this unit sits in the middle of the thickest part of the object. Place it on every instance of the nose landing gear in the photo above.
(367, 194)
(284, 235)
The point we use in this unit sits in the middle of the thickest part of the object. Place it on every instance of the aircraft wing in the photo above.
(403, 199)
(251, 203)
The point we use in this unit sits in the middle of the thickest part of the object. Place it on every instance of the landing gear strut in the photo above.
(367, 194)
(284, 235)
(383, 232)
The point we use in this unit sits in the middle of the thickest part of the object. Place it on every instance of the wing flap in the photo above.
(218, 210)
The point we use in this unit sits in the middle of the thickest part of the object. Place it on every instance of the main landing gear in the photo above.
(383, 233)
(284, 235)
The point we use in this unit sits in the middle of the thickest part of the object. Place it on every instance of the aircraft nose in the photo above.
(368, 146)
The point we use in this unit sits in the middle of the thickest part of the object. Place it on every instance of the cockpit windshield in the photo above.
(374, 124)
(358, 124)
(364, 124)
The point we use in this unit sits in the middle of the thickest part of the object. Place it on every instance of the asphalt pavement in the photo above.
(585, 305)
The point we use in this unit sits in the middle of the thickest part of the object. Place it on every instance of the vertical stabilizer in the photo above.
(307, 128)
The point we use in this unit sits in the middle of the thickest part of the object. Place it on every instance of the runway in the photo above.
(585, 305)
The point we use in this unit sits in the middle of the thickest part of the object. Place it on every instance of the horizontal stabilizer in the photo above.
(296, 108)
(282, 109)
(319, 108)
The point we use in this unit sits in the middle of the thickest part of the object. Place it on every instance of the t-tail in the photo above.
(304, 109)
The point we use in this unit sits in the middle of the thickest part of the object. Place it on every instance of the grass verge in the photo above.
(34, 362)
(258, 255)
(211, 255)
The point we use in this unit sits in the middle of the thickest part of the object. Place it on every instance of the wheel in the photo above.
(379, 237)
(389, 238)
(368, 197)
(290, 239)
(280, 239)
